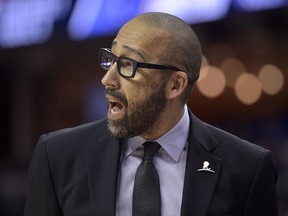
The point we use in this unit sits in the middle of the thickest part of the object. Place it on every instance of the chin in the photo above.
(115, 130)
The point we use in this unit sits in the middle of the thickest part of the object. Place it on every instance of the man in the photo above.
(199, 170)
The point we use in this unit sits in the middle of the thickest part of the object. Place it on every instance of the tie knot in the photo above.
(150, 150)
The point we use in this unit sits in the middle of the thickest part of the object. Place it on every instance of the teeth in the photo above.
(114, 109)
(113, 103)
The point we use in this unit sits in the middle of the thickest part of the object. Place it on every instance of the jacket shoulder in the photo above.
(233, 143)
(97, 130)
(70, 142)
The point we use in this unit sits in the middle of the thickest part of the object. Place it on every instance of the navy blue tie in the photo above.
(146, 194)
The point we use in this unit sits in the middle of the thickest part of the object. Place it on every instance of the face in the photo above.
(135, 104)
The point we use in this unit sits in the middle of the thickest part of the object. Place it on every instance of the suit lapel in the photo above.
(199, 185)
(102, 162)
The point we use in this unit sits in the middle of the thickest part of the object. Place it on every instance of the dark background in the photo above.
(57, 84)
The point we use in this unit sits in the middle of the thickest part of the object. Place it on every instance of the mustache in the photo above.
(118, 95)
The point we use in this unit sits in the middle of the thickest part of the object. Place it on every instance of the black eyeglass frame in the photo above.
(135, 64)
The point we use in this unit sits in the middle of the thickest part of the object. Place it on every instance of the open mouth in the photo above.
(115, 106)
(116, 109)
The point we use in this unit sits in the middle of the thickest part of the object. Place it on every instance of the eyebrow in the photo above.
(114, 43)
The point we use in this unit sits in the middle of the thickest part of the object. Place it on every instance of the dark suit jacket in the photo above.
(74, 172)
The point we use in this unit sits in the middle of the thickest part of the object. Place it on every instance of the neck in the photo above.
(167, 120)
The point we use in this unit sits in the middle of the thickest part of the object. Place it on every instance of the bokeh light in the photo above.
(248, 88)
(213, 83)
(271, 78)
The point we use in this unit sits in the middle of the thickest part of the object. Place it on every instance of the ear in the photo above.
(177, 84)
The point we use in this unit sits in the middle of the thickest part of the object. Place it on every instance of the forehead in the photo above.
(138, 37)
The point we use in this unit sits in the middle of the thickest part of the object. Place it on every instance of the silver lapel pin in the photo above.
(206, 168)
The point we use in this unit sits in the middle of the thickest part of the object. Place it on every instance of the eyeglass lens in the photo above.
(106, 60)
(124, 66)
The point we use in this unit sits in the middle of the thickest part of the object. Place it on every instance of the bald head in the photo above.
(181, 48)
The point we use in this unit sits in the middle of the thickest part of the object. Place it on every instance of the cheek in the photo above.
(147, 80)
(137, 95)
(154, 85)
(140, 87)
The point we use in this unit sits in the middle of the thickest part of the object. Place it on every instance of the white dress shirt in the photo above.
(170, 163)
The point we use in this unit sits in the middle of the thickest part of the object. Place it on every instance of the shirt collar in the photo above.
(172, 141)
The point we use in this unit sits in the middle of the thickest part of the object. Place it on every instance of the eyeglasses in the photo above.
(126, 66)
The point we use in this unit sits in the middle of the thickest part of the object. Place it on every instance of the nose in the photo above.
(111, 78)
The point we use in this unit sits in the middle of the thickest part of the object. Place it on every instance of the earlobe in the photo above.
(179, 82)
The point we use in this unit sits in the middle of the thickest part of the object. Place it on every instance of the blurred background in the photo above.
(50, 78)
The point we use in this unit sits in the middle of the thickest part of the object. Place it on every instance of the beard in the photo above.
(140, 115)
